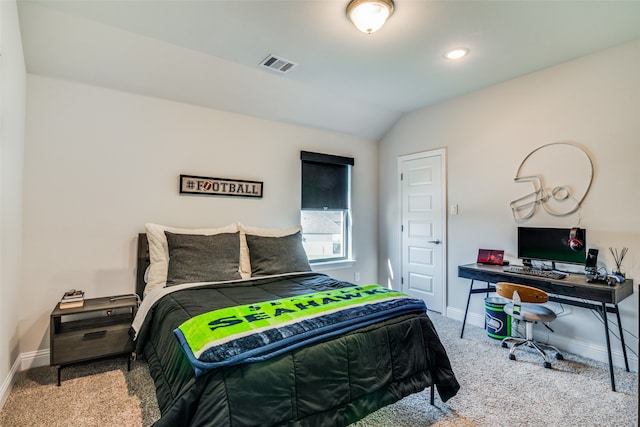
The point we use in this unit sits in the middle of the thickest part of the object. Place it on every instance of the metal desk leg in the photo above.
(606, 334)
(466, 310)
(624, 348)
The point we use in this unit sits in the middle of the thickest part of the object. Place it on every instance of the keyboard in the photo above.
(526, 271)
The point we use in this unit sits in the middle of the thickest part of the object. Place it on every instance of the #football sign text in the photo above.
(220, 186)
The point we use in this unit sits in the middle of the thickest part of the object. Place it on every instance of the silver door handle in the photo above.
(437, 241)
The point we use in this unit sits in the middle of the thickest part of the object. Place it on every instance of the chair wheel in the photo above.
(512, 357)
(505, 345)
(559, 356)
(547, 365)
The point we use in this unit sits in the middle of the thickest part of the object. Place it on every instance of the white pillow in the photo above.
(159, 249)
(245, 262)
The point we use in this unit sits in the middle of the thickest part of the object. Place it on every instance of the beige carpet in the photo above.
(96, 394)
(495, 392)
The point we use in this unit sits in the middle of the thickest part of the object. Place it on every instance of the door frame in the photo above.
(442, 153)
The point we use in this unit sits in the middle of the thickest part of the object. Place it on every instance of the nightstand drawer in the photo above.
(91, 343)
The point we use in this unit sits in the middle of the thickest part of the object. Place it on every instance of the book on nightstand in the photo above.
(72, 304)
(72, 299)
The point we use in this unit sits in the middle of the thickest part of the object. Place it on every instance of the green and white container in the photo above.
(498, 322)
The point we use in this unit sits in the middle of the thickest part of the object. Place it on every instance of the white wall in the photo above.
(100, 163)
(12, 111)
(593, 101)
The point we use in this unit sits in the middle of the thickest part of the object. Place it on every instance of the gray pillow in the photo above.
(198, 258)
(277, 255)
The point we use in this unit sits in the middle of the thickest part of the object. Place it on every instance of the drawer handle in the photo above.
(95, 335)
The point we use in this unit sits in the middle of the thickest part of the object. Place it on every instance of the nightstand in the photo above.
(100, 328)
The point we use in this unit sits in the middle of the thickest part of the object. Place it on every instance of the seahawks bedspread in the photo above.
(334, 381)
(259, 331)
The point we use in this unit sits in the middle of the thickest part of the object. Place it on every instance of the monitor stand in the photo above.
(527, 263)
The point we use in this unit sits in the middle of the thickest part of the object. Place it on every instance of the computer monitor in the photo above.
(550, 244)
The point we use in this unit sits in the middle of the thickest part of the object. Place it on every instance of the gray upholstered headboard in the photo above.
(142, 263)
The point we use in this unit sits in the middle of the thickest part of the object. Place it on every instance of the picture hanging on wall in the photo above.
(220, 186)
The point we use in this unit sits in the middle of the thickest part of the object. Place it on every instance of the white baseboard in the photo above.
(581, 348)
(8, 382)
(35, 359)
(25, 361)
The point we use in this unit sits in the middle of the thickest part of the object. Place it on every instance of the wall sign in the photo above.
(220, 186)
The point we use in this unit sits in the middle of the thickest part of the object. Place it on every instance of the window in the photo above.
(326, 206)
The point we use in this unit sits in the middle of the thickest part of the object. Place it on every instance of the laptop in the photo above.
(490, 256)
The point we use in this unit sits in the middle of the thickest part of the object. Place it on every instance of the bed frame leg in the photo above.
(433, 387)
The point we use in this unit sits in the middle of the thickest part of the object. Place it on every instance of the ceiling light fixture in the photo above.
(369, 15)
(456, 53)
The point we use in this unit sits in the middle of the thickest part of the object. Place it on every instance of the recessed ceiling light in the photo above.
(456, 53)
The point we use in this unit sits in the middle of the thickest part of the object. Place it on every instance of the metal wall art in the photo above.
(567, 166)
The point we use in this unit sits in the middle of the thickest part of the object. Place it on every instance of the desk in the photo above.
(572, 290)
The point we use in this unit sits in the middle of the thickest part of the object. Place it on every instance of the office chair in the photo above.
(531, 311)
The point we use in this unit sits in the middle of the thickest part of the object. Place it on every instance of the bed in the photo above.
(332, 377)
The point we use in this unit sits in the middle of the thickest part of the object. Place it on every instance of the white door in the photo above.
(422, 191)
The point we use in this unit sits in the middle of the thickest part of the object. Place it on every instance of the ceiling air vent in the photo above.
(277, 64)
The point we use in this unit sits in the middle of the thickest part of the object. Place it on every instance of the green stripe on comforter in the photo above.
(224, 325)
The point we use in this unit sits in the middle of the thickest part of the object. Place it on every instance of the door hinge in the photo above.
(401, 176)
(402, 280)
(401, 228)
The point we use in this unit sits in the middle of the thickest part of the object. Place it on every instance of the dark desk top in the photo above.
(574, 285)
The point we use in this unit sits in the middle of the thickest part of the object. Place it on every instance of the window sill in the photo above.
(332, 265)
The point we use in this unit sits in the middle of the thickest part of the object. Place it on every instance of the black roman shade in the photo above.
(325, 181)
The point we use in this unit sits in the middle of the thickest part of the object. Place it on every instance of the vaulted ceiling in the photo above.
(208, 52)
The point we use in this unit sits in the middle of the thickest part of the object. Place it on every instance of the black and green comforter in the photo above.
(330, 382)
